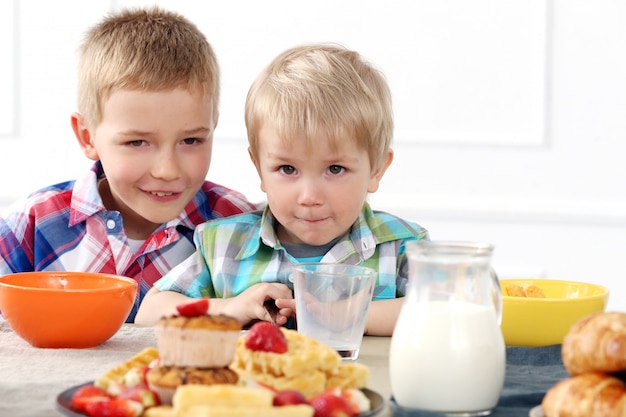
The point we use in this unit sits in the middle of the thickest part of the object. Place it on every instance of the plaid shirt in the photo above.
(65, 227)
(237, 252)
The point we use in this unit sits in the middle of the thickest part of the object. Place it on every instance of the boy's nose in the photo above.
(311, 193)
(166, 167)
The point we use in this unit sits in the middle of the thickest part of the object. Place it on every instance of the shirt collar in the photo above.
(86, 200)
(361, 240)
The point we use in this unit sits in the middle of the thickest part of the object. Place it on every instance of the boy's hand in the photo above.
(286, 303)
(257, 303)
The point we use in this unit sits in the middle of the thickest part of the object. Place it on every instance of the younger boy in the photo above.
(320, 124)
(148, 92)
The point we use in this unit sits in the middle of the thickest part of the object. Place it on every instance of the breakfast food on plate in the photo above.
(594, 354)
(183, 341)
(532, 290)
(281, 373)
(306, 365)
(596, 343)
(275, 372)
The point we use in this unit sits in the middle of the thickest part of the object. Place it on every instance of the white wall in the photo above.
(510, 114)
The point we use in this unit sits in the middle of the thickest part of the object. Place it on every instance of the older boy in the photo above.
(320, 124)
(148, 93)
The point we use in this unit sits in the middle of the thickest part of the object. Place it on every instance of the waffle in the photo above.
(307, 366)
(348, 375)
(303, 355)
(116, 374)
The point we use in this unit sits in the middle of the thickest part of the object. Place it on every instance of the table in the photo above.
(31, 378)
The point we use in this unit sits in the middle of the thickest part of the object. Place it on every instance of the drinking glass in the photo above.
(332, 301)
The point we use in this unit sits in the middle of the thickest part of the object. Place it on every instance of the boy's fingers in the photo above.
(278, 290)
(289, 303)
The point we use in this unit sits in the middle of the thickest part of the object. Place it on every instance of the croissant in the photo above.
(596, 343)
(592, 394)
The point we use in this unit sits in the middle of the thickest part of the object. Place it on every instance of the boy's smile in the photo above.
(315, 191)
(155, 148)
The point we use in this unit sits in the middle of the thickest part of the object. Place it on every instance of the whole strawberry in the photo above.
(194, 308)
(266, 337)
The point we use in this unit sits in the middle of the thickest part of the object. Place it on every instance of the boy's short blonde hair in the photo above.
(323, 86)
(148, 49)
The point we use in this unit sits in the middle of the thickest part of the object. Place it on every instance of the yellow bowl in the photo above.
(531, 321)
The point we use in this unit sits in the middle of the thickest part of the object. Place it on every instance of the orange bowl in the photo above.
(66, 309)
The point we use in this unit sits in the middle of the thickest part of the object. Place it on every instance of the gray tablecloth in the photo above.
(530, 372)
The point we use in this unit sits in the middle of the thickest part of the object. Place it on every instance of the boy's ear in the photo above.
(216, 118)
(83, 136)
(258, 168)
(377, 174)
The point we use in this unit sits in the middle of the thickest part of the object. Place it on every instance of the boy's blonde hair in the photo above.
(147, 50)
(323, 86)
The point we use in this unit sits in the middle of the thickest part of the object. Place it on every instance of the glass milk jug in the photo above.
(447, 351)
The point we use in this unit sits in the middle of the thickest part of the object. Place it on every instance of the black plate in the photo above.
(376, 402)
(64, 399)
(65, 407)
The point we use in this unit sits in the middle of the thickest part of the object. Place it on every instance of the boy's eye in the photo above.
(190, 141)
(335, 169)
(287, 169)
(136, 143)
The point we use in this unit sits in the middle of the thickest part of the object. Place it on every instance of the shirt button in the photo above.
(111, 224)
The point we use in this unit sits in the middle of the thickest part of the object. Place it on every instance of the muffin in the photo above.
(164, 380)
(206, 341)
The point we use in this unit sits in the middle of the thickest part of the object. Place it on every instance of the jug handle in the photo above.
(497, 295)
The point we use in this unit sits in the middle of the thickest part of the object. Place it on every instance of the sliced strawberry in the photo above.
(266, 337)
(115, 387)
(195, 308)
(86, 394)
(331, 403)
(253, 384)
(289, 397)
(136, 376)
(141, 394)
(114, 407)
(357, 400)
